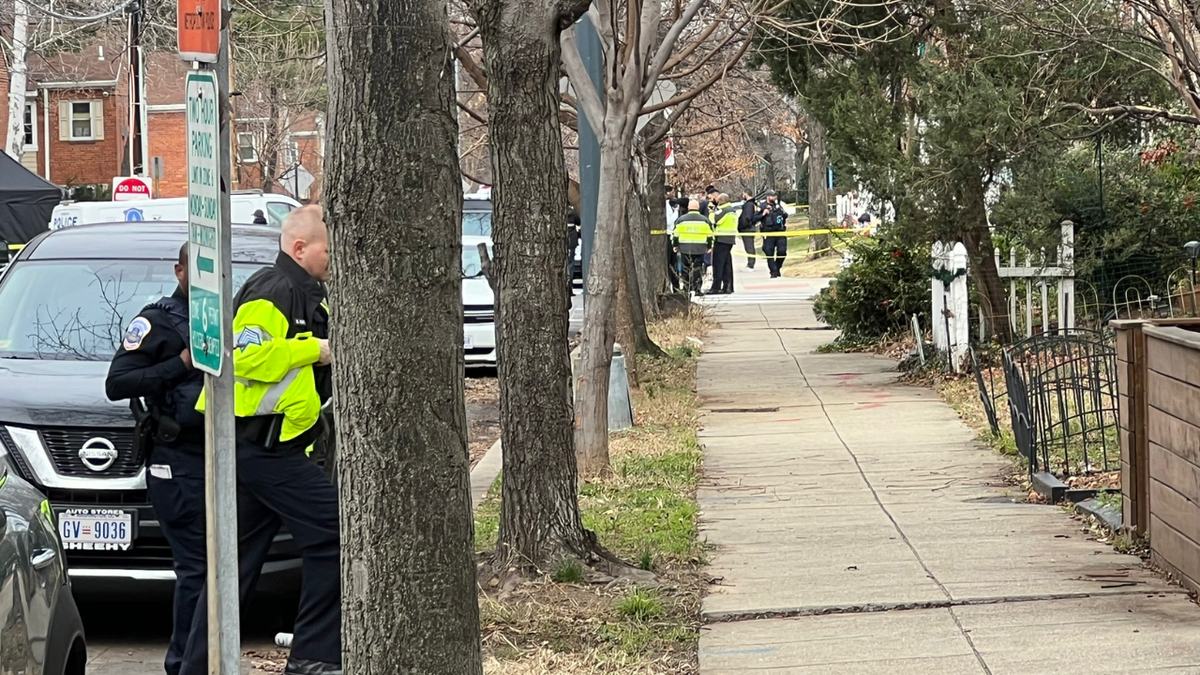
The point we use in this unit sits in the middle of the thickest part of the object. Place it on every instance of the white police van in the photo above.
(242, 205)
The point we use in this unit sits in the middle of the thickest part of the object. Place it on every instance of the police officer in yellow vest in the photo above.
(281, 365)
(725, 235)
(693, 239)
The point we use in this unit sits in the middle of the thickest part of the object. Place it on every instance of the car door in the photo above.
(14, 637)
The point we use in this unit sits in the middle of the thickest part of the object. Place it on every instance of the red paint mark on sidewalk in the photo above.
(869, 406)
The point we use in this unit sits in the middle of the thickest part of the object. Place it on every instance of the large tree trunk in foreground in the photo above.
(409, 589)
(539, 511)
(818, 187)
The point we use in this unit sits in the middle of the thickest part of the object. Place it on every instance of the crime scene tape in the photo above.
(16, 247)
(864, 231)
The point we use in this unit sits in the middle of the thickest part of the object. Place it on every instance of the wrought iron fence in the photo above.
(1062, 401)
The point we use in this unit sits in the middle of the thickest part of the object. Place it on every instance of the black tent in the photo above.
(26, 202)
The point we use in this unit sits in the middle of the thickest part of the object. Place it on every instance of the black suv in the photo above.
(64, 304)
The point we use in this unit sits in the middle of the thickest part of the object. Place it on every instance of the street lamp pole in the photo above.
(1193, 251)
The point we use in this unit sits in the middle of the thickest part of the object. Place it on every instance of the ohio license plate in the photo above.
(468, 342)
(96, 529)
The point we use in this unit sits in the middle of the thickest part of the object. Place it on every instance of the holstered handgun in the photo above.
(144, 429)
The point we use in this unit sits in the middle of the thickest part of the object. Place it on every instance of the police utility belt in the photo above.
(151, 426)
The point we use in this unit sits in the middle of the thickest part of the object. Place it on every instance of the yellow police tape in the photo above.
(864, 231)
(16, 247)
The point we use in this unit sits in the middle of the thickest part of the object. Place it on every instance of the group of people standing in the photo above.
(702, 231)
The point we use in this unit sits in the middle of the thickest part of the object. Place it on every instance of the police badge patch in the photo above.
(138, 329)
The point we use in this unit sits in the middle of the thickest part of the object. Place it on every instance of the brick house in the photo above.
(77, 126)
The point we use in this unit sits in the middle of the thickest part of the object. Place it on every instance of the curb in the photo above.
(1110, 517)
(484, 474)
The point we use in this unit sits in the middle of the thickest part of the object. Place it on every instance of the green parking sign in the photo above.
(204, 221)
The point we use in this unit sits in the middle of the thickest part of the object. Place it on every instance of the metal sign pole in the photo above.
(220, 445)
(210, 286)
(592, 53)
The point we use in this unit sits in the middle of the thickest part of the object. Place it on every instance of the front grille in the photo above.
(479, 314)
(64, 445)
(94, 498)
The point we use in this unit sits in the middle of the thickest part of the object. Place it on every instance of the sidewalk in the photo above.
(858, 528)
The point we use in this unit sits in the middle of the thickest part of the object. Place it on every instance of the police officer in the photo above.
(693, 240)
(774, 219)
(281, 357)
(153, 363)
(747, 223)
(725, 236)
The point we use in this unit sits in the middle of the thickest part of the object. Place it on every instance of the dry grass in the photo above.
(800, 266)
(646, 513)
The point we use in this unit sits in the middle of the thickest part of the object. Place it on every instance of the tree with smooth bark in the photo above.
(409, 588)
(636, 52)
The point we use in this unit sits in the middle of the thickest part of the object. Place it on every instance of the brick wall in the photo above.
(1172, 388)
(86, 162)
(168, 139)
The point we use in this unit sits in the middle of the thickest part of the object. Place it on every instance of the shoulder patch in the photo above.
(249, 336)
(137, 331)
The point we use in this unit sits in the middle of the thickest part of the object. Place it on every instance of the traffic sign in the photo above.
(204, 221)
(198, 25)
(132, 188)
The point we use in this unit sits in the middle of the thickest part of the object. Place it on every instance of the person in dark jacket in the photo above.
(259, 218)
(748, 222)
(154, 364)
(708, 205)
(693, 240)
(773, 218)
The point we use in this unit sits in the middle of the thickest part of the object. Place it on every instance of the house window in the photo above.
(81, 120)
(291, 154)
(31, 126)
(247, 150)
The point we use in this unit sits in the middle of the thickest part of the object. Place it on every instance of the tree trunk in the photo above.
(993, 299)
(818, 188)
(626, 302)
(591, 383)
(637, 243)
(539, 511)
(14, 144)
(409, 589)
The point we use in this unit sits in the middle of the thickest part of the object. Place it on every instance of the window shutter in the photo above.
(98, 120)
(64, 120)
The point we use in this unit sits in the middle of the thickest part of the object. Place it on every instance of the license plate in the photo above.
(468, 342)
(96, 529)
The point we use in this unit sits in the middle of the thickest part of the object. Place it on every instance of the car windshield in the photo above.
(77, 310)
(471, 263)
(477, 223)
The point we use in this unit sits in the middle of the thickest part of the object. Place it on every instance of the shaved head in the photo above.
(722, 198)
(181, 267)
(694, 205)
(305, 238)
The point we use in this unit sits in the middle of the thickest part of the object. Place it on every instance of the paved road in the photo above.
(859, 529)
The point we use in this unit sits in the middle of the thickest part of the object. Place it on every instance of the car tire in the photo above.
(66, 650)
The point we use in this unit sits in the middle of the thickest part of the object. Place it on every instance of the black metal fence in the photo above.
(1060, 390)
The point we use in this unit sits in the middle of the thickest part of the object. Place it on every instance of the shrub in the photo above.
(884, 285)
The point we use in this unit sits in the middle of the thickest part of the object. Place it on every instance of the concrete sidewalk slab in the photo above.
(867, 511)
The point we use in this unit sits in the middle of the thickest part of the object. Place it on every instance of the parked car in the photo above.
(42, 633)
(242, 205)
(477, 217)
(479, 311)
(66, 300)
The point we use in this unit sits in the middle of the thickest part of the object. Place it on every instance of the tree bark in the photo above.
(409, 590)
(269, 159)
(818, 188)
(637, 243)
(539, 510)
(993, 299)
(591, 383)
(14, 144)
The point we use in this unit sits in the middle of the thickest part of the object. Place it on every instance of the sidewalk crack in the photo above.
(875, 494)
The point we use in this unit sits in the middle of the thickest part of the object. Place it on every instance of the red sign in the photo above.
(131, 189)
(199, 29)
(669, 158)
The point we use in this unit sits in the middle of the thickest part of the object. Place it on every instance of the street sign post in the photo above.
(204, 221)
(210, 281)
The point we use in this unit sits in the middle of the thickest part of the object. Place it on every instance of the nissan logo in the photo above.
(98, 454)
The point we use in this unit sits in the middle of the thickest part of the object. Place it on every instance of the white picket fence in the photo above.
(1032, 276)
(1030, 298)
